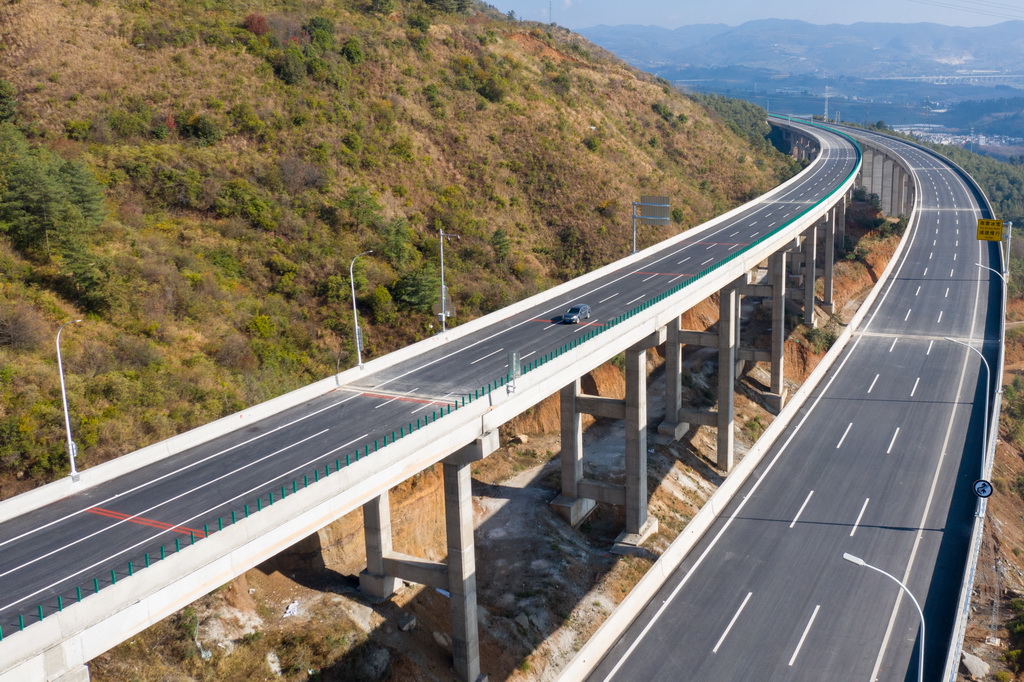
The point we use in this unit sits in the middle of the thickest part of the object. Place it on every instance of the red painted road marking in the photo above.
(100, 511)
(407, 399)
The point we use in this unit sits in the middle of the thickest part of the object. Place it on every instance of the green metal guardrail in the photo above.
(443, 410)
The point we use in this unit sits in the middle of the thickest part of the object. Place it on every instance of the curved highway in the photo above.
(879, 463)
(78, 545)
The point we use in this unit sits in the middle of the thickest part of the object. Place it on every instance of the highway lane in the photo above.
(86, 537)
(878, 463)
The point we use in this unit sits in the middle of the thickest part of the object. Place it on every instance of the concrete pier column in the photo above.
(638, 525)
(841, 222)
(673, 382)
(570, 505)
(887, 183)
(906, 195)
(458, 506)
(374, 581)
(828, 260)
(867, 170)
(810, 268)
(727, 327)
(777, 277)
(877, 164)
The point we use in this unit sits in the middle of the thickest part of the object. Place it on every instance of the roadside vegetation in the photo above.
(194, 184)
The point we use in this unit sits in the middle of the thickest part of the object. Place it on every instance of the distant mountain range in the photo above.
(796, 48)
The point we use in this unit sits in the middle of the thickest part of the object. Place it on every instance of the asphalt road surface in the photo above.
(879, 463)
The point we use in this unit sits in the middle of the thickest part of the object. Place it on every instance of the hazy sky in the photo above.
(674, 13)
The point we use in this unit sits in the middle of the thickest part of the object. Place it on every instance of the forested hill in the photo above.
(192, 179)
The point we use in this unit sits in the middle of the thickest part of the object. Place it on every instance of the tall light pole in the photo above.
(860, 562)
(355, 312)
(988, 384)
(72, 448)
(444, 290)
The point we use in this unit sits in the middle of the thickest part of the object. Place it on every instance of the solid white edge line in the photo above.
(801, 510)
(807, 629)
(859, 517)
(731, 622)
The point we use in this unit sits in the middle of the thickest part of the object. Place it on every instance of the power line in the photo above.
(974, 9)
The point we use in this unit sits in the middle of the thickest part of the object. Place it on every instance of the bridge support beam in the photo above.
(777, 277)
(728, 331)
(671, 426)
(810, 270)
(841, 222)
(385, 567)
(571, 505)
(639, 526)
(828, 260)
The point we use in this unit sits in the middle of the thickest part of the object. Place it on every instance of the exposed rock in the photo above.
(520, 439)
(375, 664)
(274, 663)
(523, 621)
(406, 622)
(974, 666)
(443, 639)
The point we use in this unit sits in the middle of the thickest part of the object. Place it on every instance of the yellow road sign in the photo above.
(990, 230)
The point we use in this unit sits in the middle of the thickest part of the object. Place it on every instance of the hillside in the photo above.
(193, 182)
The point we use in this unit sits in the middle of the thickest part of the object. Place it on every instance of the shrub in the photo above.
(678, 216)
(382, 6)
(494, 89)
(245, 119)
(352, 50)
(21, 326)
(290, 65)
(382, 305)
(257, 24)
(239, 198)
(8, 103)
(419, 22)
(201, 128)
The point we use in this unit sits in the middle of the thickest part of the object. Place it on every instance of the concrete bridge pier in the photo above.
(580, 494)
(887, 185)
(777, 277)
(385, 567)
(810, 271)
(829, 257)
(670, 426)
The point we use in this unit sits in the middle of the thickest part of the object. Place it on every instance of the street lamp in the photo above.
(444, 290)
(988, 383)
(72, 448)
(355, 313)
(860, 562)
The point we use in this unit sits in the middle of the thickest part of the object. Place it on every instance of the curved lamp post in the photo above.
(860, 562)
(988, 385)
(355, 313)
(72, 448)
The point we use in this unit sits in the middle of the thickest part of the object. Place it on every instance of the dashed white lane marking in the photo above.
(486, 356)
(847, 431)
(634, 300)
(893, 343)
(872, 386)
(807, 629)
(918, 291)
(859, 517)
(907, 316)
(608, 299)
(930, 344)
(731, 623)
(914, 389)
(893, 441)
(801, 510)
(940, 317)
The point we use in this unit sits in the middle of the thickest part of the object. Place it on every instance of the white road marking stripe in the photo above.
(651, 277)
(804, 636)
(859, 517)
(893, 343)
(634, 300)
(707, 261)
(918, 291)
(907, 316)
(848, 427)
(801, 510)
(930, 344)
(872, 383)
(940, 317)
(487, 356)
(893, 441)
(731, 623)
(605, 300)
